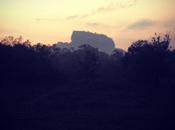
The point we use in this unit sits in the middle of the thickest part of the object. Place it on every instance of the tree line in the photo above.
(46, 87)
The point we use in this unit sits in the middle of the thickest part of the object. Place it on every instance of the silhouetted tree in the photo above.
(46, 87)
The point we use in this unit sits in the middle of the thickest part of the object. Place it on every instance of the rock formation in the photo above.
(100, 41)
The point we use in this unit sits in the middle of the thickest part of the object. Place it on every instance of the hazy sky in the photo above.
(49, 21)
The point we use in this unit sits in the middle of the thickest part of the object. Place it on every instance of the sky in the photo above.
(50, 21)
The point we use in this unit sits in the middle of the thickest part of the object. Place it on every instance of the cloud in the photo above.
(108, 8)
(47, 19)
(116, 6)
(169, 24)
(72, 17)
(103, 9)
(94, 24)
(147, 23)
(143, 24)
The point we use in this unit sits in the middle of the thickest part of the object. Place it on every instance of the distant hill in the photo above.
(100, 41)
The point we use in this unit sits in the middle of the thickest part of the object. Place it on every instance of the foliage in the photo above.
(40, 85)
